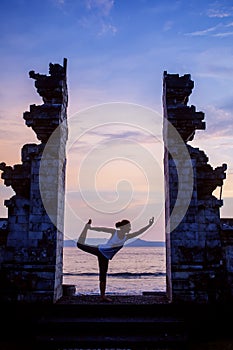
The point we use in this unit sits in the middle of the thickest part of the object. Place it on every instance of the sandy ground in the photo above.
(116, 299)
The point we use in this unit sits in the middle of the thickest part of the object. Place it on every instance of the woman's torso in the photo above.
(113, 245)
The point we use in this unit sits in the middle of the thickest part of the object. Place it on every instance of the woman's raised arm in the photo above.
(103, 229)
(143, 229)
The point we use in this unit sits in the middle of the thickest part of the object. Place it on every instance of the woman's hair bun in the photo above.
(118, 224)
(122, 223)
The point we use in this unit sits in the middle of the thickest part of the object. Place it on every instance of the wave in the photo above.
(119, 274)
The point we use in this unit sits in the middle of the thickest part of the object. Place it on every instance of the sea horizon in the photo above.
(131, 243)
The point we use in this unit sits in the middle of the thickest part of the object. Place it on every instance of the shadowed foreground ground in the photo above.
(158, 298)
(132, 322)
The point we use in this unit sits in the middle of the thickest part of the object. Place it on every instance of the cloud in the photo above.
(98, 17)
(103, 136)
(121, 133)
(219, 125)
(227, 104)
(213, 68)
(219, 11)
(219, 121)
(103, 6)
(213, 31)
(223, 71)
(215, 13)
(106, 137)
(107, 27)
(202, 32)
(222, 35)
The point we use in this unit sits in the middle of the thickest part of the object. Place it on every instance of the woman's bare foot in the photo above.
(105, 299)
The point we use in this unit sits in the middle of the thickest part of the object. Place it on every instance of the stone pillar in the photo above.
(31, 270)
(227, 247)
(194, 254)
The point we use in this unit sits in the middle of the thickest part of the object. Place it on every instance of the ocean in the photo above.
(132, 271)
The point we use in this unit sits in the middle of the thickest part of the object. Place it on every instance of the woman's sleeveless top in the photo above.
(112, 246)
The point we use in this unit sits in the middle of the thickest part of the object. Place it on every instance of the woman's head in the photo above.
(123, 225)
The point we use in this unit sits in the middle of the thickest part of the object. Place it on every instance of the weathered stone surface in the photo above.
(31, 261)
(208, 178)
(3, 232)
(45, 118)
(18, 177)
(184, 118)
(196, 258)
(52, 88)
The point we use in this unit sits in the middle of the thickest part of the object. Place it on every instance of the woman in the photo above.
(106, 252)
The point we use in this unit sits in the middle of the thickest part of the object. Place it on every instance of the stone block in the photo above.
(22, 219)
(178, 285)
(35, 235)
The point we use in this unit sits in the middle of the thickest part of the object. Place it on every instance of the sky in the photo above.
(117, 51)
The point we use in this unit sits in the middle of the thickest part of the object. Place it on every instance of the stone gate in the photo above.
(199, 244)
(31, 261)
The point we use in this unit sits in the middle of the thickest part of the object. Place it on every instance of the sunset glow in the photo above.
(117, 52)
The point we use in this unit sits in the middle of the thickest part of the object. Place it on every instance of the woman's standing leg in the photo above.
(103, 262)
(103, 268)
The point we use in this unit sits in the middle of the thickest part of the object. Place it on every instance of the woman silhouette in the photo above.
(106, 252)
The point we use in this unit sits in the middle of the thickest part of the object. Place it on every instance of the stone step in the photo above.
(116, 328)
(82, 326)
(111, 319)
(71, 332)
(116, 310)
(129, 342)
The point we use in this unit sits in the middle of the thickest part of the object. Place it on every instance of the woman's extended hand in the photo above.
(151, 221)
(88, 224)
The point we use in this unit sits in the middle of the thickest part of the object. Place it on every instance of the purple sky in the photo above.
(117, 52)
